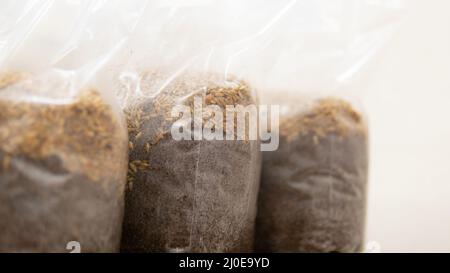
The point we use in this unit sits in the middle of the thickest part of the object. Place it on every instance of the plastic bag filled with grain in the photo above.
(313, 192)
(63, 139)
(314, 62)
(192, 193)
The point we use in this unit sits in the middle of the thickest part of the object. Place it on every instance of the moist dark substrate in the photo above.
(62, 173)
(313, 189)
(189, 196)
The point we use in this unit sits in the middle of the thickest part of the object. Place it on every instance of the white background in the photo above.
(409, 204)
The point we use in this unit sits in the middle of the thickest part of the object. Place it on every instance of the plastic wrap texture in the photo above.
(63, 140)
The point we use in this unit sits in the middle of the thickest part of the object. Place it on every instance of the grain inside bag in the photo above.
(313, 189)
(63, 167)
(188, 195)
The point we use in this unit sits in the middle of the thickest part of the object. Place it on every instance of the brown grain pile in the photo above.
(63, 171)
(313, 189)
(188, 196)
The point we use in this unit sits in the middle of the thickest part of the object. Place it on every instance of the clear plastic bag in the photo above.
(313, 189)
(314, 62)
(63, 140)
(188, 195)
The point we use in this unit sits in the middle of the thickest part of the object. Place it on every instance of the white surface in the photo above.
(409, 204)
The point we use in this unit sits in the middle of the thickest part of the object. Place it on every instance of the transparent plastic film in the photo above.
(188, 194)
(315, 64)
(63, 140)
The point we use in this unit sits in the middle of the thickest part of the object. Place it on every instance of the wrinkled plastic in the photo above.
(63, 140)
(309, 57)
(63, 144)
(186, 195)
(314, 62)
